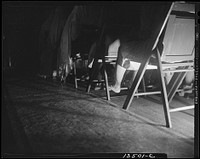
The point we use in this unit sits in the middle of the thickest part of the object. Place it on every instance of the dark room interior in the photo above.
(61, 63)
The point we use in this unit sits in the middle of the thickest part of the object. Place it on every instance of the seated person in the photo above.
(124, 59)
(140, 47)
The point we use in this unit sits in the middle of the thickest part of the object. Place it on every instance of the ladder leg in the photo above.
(163, 92)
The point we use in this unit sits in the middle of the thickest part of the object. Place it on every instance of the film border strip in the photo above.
(196, 81)
(100, 155)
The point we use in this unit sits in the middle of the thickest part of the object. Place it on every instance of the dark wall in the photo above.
(21, 26)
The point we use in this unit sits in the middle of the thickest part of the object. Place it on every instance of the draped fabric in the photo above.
(45, 47)
(49, 39)
(69, 33)
(80, 16)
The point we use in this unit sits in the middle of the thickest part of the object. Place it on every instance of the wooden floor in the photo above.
(48, 118)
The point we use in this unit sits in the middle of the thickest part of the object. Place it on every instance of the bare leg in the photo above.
(118, 79)
(121, 66)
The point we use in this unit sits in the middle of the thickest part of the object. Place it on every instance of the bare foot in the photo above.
(115, 89)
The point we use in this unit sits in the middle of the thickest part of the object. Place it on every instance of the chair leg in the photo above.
(75, 77)
(91, 75)
(135, 84)
(143, 85)
(163, 92)
(106, 82)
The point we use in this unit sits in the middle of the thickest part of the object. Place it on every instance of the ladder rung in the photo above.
(185, 70)
(181, 108)
(147, 93)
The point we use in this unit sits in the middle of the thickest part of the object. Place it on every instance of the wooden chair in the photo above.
(80, 51)
(104, 57)
(108, 57)
(178, 53)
